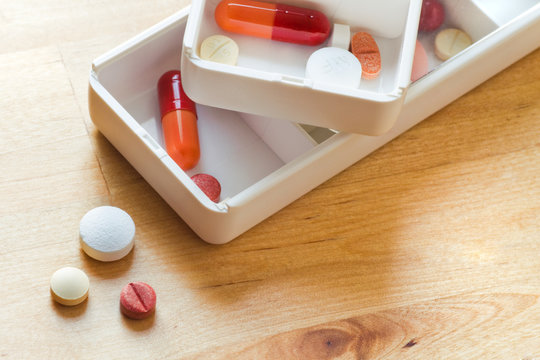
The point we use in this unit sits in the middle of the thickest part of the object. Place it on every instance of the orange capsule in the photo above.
(273, 21)
(178, 120)
(364, 47)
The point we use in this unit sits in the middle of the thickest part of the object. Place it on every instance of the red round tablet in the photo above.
(137, 300)
(209, 185)
(432, 15)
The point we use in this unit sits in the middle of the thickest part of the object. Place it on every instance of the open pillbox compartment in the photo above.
(264, 164)
(273, 72)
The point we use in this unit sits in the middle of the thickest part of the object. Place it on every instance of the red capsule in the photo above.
(273, 21)
(178, 120)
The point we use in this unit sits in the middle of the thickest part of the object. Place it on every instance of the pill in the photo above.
(341, 37)
(69, 286)
(420, 63)
(334, 66)
(278, 22)
(107, 233)
(431, 15)
(209, 185)
(219, 48)
(178, 121)
(364, 47)
(449, 42)
(137, 300)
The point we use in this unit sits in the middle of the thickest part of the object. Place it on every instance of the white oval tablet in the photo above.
(220, 48)
(107, 233)
(69, 286)
(334, 66)
(341, 36)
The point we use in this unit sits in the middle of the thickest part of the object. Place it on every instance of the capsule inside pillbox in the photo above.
(269, 78)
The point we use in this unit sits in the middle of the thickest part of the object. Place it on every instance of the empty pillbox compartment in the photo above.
(264, 164)
(270, 72)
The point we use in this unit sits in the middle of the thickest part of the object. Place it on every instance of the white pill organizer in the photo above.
(272, 72)
(262, 156)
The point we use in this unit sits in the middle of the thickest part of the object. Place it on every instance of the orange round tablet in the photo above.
(364, 47)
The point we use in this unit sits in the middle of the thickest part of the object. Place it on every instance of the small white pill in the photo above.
(220, 48)
(334, 66)
(69, 286)
(107, 233)
(341, 37)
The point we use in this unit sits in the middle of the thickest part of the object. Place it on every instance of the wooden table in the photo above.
(427, 249)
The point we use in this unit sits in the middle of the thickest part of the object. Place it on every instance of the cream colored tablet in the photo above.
(221, 49)
(69, 286)
(334, 66)
(341, 37)
(107, 233)
(449, 42)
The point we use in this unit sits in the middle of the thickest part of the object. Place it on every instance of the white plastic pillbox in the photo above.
(271, 72)
(264, 164)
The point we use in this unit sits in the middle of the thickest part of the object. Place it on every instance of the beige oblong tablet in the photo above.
(220, 48)
(450, 42)
(340, 37)
(69, 286)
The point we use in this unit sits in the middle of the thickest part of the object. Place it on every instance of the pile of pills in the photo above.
(334, 66)
(331, 65)
(106, 234)
(448, 42)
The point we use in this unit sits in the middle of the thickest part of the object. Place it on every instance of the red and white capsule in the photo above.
(273, 21)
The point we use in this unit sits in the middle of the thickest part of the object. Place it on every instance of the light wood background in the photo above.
(427, 249)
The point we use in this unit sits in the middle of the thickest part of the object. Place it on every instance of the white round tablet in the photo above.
(69, 286)
(220, 48)
(334, 66)
(107, 233)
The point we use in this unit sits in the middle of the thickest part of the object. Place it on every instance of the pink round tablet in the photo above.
(209, 185)
(420, 63)
(137, 300)
(431, 16)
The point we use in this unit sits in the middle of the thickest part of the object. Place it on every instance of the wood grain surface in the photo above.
(427, 249)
